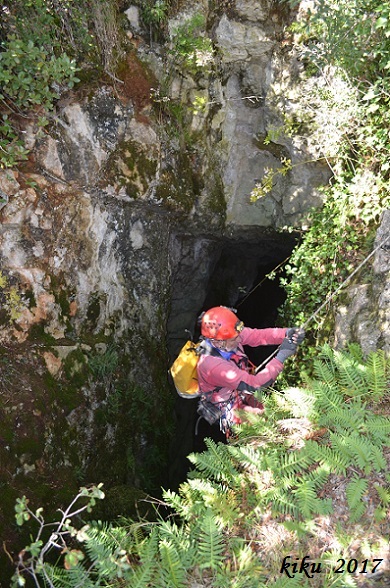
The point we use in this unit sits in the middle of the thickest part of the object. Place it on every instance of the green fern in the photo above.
(172, 570)
(384, 494)
(361, 449)
(381, 511)
(378, 427)
(377, 375)
(248, 457)
(210, 542)
(307, 500)
(354, 448)
(333, 460)
(292, 462)
(301, 402)
(355, 491)
(377, 458)
(142, 575)
(349, 376)
(318, 476)
(62, 578)
(215, 463)
(328, 396)
(280, 501)
(347, 417)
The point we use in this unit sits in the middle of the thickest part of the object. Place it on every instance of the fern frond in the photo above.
(247, 457)
(142, 576)
(172, 570)
(319, 476)
(291, 463)
(356, 352)
(176, 502)
(384, 494)
(355, 491)
(327, 397)
(215, 462)
(377, 458)
(325, 371)
(210, 542)
(378, 427)
(223, 501)
(243, 570)
(103, 550)
(340, 444)
(306, 496)
(328, 457)
(301, 402)
(289, 481)
(349, 375)
(377, 367)
(361, 449)
(280, 501)
(347, 417)
(308, 501)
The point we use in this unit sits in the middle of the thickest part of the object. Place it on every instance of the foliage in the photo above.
(272, 479)
(192, 49)
(32, 559)
(44, 44)
(12, 148)
(324, 258)
(347, 34)
(102, 365)
(267, 183)
(155, 14)
(344, 109)
(29, 72)
(10, 298)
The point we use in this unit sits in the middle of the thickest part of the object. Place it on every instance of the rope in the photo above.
(263, 280)
(329, 297)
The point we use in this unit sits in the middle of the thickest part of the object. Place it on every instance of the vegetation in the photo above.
(44, 45)
(343, 106)
(311, 476)
(10, 299)
(154, 14)
(253, 505)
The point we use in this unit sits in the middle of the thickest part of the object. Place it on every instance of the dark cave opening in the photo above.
(239, 280)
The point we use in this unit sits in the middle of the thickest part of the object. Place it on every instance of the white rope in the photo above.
(329, 297)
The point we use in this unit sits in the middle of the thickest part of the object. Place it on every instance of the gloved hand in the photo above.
(296, 335)
(286, 349)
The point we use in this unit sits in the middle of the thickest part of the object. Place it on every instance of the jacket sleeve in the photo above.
(225, 374)
(256, 337)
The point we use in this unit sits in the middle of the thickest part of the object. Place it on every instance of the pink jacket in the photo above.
(214, 371)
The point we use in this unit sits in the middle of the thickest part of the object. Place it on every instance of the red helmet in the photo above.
(220, 323)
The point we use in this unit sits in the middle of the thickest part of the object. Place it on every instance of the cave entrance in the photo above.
(238, 279)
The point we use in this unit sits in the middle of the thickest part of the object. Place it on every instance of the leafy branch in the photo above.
(32, 559)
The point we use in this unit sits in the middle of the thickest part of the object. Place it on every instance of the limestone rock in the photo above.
(365, 316)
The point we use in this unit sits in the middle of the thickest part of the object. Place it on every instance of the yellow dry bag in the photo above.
(184, 373)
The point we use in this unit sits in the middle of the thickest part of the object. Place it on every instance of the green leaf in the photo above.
(72, 558)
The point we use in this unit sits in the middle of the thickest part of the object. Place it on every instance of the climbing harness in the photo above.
(333, 295)
(220, 411)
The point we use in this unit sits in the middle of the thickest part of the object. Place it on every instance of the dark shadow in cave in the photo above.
(241, 269)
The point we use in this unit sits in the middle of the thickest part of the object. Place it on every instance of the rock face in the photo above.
(365, 317)
(112, 230)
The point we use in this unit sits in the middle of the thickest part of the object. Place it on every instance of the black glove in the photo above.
(286, 349)
(296, 335)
